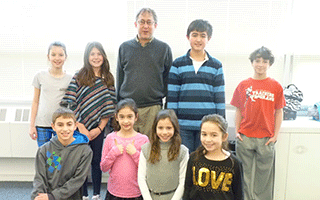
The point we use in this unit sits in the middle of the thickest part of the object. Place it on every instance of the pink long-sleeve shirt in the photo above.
(123, 168)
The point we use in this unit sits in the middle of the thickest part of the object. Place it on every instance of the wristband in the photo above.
(99, 129)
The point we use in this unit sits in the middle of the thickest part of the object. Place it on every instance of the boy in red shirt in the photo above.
(259, 101)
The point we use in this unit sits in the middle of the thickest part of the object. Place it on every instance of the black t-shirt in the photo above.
(209, 180)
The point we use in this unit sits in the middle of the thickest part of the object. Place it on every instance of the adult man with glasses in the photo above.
(142, 70)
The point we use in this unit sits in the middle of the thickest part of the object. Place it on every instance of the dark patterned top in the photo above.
(210, 180)
(90, 104)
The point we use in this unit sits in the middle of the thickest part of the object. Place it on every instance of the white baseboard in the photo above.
(16, 177)
(22, 169)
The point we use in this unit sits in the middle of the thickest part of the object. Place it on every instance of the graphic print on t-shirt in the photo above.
(53, 161)
(258, 94)
(210, 178)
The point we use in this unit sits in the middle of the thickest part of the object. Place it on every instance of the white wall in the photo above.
(239, 27)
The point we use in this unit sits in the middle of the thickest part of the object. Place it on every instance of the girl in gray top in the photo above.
(49, 88)
(163, 161)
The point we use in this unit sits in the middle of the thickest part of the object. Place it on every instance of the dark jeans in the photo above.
(111, 197)
(191, 139)
(96, 146)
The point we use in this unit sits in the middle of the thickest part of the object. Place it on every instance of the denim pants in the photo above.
(96, 173)
(191, 139)
(44, 135)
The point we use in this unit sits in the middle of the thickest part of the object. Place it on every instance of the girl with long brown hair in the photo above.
(91, 95)
(162, 165)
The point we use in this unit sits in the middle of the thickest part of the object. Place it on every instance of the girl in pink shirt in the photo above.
(120, 155)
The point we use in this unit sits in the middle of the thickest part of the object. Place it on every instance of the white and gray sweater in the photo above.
(162, 176)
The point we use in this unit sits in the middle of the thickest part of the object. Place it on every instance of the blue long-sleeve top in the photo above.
(193, 95)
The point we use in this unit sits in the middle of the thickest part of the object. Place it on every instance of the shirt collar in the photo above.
(137, 39)
(205, 58)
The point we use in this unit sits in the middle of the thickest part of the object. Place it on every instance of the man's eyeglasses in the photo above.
(149, 23)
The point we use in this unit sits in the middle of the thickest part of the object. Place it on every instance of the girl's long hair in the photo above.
(223, 126)
(174, 149)
(86, 76)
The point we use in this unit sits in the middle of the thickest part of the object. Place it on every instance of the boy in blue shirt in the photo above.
(196, 84)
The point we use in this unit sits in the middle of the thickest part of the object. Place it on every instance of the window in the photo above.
(239, 27)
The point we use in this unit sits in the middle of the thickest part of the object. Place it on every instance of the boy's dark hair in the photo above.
(200, 25)
(264, 53)
(63, 112)
(150, 11)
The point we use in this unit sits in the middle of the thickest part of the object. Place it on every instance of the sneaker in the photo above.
(85, 198)
(96, 197)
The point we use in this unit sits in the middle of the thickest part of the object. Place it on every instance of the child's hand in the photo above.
(33, 133)
(84, 130)
(42, 196)
(120, 147)
(94, 133)
(271, 140)
(131, 149)
(239, 136)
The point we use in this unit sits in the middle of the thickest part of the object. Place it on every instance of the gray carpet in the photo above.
(22, 190)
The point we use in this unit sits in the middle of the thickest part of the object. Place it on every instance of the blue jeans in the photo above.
(44, 135)
(96, 173)
(191, 139)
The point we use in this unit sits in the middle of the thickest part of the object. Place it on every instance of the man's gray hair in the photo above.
(150, 11)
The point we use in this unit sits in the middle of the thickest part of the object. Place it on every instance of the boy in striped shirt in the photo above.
(196, 84)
